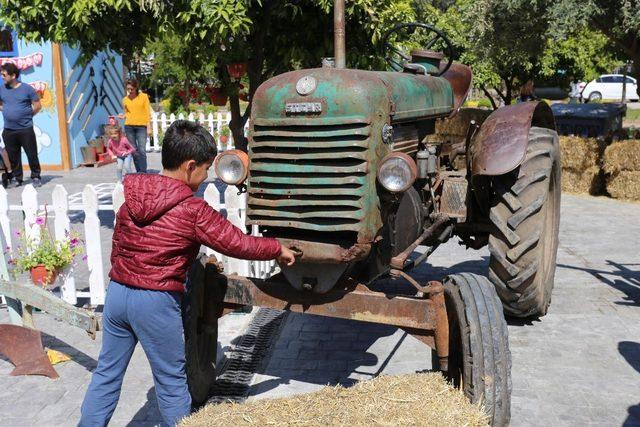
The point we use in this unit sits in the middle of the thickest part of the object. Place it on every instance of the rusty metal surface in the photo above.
(460, 77)
(339, 44)
(400, 260)
(435, 290)
(326, 253)
(48, 302)
(501, 143)
(352, 301)
(23, 347)
(453, 199)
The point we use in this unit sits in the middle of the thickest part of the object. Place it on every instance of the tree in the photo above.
(618, 20)
(271, 35)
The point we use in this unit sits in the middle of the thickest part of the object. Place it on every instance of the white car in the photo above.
(609, 86)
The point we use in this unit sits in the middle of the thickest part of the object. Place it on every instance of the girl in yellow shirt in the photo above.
(137, 122)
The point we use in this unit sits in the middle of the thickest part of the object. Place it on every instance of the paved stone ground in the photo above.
(578, 365)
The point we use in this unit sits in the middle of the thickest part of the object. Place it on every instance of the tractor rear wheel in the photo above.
(525, 214)
(200, 320)
(479, 356)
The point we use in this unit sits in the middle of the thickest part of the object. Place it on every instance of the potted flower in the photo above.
(237, 69)
(45, 257)
(224, 134)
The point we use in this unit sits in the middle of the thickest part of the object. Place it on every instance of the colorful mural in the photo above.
(92, 92)
(36, 66)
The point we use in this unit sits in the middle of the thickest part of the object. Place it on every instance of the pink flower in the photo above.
(17, 233)
(74, 242)
(40, 220)
(84, 257)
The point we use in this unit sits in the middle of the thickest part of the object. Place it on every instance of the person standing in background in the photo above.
(137, 122)
(19, 102)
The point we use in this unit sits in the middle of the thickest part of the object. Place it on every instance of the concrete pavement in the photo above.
(579, 365)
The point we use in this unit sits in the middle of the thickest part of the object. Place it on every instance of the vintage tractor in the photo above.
(343, 168)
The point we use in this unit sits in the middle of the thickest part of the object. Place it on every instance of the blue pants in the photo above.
(153, 318)
(124, 166)
(137, 136)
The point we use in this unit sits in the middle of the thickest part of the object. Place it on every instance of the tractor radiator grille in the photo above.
(309, 176)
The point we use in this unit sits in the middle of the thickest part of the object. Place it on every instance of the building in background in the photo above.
(77, 99)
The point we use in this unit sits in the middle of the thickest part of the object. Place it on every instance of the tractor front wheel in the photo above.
(479, 356)
(525, 215)
(200, 320)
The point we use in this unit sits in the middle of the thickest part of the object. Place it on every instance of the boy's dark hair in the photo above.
(11, 68)
(185, 140)
(133, 82)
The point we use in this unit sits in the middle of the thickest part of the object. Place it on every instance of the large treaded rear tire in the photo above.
(479, 355)
(525, 214)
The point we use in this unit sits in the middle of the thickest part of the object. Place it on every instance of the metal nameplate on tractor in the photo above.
(303, 107)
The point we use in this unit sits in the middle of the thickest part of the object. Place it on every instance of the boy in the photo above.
(157, 236)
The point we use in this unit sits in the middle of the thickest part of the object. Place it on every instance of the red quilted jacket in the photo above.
(160, 228)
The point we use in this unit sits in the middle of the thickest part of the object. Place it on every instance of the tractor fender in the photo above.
(501, 143)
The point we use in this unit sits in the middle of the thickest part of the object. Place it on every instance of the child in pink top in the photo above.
(120, 148)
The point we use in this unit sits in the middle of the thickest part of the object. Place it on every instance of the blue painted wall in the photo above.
(99, 89)
(95, 105)
(45, 123)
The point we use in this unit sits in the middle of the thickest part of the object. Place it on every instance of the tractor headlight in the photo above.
(232, 166)
(397, 172)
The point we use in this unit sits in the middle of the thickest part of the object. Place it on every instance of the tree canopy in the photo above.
(506, 42)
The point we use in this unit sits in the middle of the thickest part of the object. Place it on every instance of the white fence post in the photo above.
(154, 129)
(211, 121)
(93, 244)
(236, 213)
(5, 223)
(163, 122)
(62, 227)
(30, 208)
(14, 306)
(212, 197)
(117, 200)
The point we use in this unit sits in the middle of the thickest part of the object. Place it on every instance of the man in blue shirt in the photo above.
(19, 103)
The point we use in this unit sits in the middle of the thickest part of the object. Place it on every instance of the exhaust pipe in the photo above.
(339, 34)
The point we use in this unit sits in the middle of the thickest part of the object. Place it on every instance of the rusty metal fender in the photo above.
(460, 77)
(501, 143)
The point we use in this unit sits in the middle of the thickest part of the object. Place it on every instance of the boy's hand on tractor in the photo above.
(286, 257)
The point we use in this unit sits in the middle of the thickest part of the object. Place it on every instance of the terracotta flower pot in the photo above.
(224, 139)
(42, 277)
(237, 70)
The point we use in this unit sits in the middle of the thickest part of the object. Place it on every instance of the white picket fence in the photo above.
(59, 210)
(213, 123)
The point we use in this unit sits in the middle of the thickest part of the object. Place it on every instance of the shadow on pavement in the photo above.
(621, 277)
(149, 413)
(77, 356)
(631, 352)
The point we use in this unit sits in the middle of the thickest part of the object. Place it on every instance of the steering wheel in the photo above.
(388, 48)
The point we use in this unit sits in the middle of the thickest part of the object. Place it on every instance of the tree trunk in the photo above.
(493, 101)
(237, 124)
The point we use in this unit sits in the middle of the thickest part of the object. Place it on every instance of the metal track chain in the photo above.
(232, 385)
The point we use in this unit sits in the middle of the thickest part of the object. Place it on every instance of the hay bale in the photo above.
(624, 185)
(622, 156)
(415, 399)
(589, 181)
(580, 153)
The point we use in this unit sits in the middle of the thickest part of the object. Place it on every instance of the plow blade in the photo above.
(23, 347)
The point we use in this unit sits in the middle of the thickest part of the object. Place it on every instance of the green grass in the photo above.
(633, 114)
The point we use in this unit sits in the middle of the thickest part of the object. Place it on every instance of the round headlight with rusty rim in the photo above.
(397, 172)
(232, 166)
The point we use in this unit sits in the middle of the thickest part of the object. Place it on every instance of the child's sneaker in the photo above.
(6, 178)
